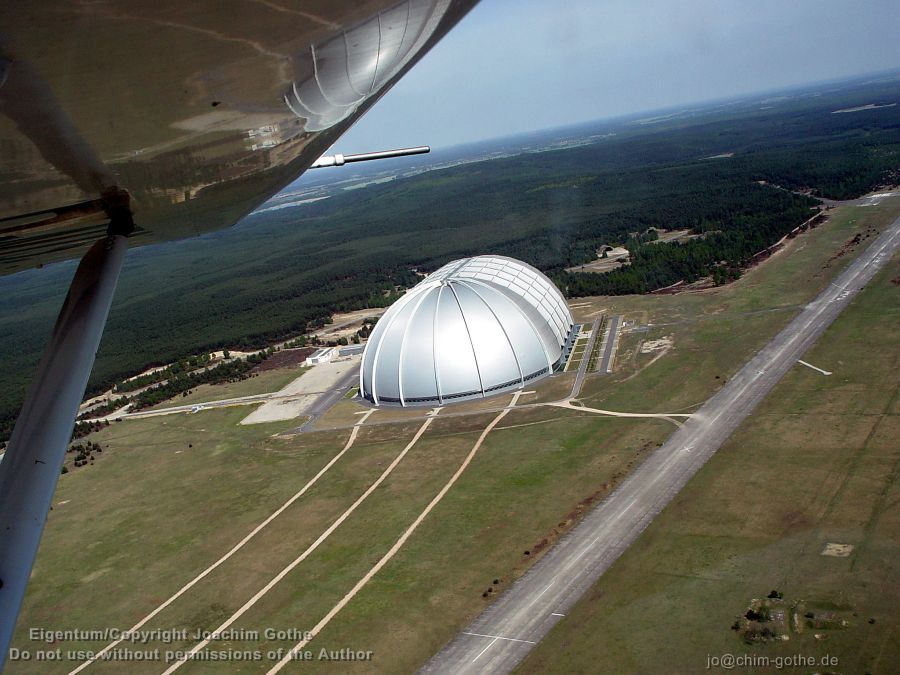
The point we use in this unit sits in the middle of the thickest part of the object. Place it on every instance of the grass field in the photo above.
(817, 463)
(153, 512)
(170, 514)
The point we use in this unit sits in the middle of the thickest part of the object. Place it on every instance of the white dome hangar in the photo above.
(476, 327)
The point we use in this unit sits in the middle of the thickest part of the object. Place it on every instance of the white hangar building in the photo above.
(476, 327)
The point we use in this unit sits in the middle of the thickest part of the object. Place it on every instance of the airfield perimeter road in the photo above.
(321, 405)
(505, 632)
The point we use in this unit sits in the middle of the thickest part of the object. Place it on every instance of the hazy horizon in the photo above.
(541, 67)
(329, 176)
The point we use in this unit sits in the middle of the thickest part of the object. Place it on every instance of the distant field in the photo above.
(169, 495)
(817, 463)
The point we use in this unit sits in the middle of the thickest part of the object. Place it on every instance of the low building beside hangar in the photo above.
(320, 356)
(476, 327)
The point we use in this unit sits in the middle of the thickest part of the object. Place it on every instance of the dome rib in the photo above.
(503, 290)
(512, 349)
(535, 329)
(434, 345)
(400, 304)
(406, 331)
(462, 313)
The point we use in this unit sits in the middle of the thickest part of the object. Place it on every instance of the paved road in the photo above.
(585, 357)
(612, 340)
(504, 634)
(322, 404)
(240, 400)
(327, 399)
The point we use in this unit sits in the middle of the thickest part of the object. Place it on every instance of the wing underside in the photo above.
(188, 114)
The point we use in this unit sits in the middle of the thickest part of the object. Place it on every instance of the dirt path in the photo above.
(181, 591)
(309, 550)
(399, 543)
(597, 411)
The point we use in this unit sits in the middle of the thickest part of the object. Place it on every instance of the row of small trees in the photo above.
(84, 453)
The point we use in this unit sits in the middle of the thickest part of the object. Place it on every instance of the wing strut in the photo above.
(340, 160)
(34, 456)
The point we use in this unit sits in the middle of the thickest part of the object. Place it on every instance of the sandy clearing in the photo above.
(649, 346)
(599, 265)
(860, 108)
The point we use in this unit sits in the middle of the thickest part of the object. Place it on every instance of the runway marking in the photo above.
(490, 644)
(193, 582)
(545, 590)
(809, 365)
(500, 637)
(398, 544)
(309, 550)
(556, 614)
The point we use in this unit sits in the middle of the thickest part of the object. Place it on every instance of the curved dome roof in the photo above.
(475, 327)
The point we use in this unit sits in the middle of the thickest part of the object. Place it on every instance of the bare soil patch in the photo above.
(286, 358)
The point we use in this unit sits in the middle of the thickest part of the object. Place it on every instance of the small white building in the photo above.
(321, 356)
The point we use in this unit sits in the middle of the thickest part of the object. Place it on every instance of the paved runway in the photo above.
(585, 357)
(612, 341)
(504, 633)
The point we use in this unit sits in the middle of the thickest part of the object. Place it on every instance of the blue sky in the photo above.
(518, 65)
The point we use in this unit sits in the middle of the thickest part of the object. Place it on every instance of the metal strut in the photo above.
(34, 456)
(339, 159)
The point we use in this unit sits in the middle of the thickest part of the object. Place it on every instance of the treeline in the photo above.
(181, 381)
(85, 427)
(728, 244)
(175, 369)
(229, 371)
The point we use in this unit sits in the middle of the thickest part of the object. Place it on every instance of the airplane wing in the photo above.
(158, 121)
(186, 115)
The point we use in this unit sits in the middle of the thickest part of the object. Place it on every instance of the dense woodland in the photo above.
(284, 272)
